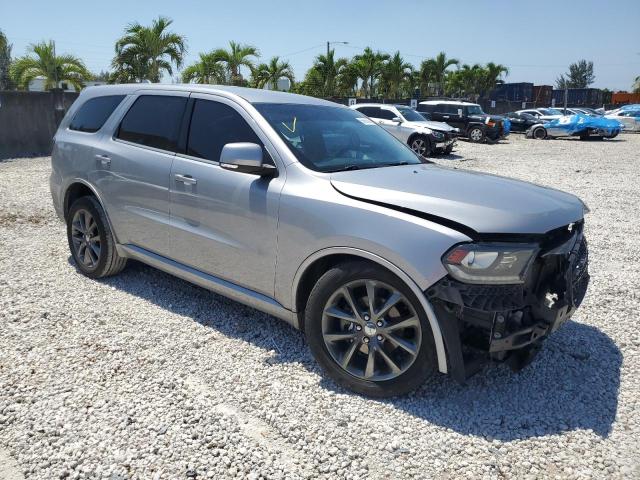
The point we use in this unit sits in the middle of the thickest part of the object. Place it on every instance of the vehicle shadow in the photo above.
(572, 385)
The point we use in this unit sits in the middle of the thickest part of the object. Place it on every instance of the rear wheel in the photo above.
(476, 134)
(91, 241)
(368, 331)
(421, 145)
(540, 133)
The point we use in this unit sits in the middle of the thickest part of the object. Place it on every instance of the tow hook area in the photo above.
(519, 359)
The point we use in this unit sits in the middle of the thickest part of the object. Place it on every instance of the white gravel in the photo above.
(146, 376)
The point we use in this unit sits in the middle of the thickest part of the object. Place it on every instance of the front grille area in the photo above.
(580, 274)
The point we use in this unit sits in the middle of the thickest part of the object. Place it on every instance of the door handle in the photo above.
(186, 179)
(104, 160)
(445, 116)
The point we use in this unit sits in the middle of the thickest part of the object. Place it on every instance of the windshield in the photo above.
(550, 111)
(329, 139)
(410, 114)
(474, 110)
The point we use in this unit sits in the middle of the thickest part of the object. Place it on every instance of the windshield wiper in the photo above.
(345, 168)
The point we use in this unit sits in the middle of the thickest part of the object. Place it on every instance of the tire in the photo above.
(448, 150)
(613, 135)
(331, 338)
(421, 145)
(91, 241)
(476, 134)
(539, 133)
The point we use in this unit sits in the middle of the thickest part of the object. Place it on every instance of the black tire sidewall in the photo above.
(535, 133)
(92, 206)
(422, 368)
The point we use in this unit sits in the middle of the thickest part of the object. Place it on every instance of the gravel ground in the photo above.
(145, 376)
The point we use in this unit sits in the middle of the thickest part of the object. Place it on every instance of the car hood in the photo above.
(478, 201)
(439, 126)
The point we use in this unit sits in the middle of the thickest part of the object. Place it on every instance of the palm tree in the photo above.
(435, 70)
(465, 81)
(370, 65)
(347, 82)
(492, 76)
(207, 70)
(395, 72)
(236, 57)
(45, 63)
(268, 74)
(326, 70)
(5, 62)
(144, 53)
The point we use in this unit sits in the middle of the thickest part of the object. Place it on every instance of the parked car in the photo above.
(520, 122)
(543, 114)
(629, 118)
(473, 123)
(311, 212)
(582, 126)
(423, 136)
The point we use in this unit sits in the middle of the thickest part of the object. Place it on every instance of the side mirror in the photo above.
(245, 157)
(398, 120)
(460, 112)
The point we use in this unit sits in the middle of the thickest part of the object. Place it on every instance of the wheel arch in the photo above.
(321, 261)
(78, 188)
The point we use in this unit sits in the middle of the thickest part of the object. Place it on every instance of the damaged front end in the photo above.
(501, 300)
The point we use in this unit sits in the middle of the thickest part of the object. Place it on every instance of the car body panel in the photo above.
(483, 202)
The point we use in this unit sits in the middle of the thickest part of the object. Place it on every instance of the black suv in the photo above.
(473, 123)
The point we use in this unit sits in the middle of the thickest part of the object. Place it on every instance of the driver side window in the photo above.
(213, 125)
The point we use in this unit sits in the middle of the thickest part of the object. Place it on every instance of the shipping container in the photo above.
(513, 92)
(624, 98)
(579, 97)
(542, 95)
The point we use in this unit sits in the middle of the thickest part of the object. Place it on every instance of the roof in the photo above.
(357, 105)
(251, 95)
(450, 102)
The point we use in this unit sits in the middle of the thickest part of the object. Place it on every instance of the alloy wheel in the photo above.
(419, 145)
(371, 330)
(475, 134)
(85, 238)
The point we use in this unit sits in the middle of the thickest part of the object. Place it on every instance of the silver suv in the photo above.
(425, 137)
(309, 211)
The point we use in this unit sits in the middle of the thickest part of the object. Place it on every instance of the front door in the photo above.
(224, 223)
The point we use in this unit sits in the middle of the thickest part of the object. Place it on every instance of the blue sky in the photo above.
(535, 39)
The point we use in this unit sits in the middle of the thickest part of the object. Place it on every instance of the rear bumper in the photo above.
(508, 323)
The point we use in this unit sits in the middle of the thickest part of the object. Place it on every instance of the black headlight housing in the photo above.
(490, 263)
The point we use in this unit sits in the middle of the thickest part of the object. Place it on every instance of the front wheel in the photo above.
(476, 134)
(540, 133)
(368, 331)
(421, 145)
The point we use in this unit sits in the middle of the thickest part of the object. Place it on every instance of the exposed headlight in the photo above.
(437, 135)
(490, 262)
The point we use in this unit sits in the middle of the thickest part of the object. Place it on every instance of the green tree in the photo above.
(235, 58)
(434, 71)
(370, 65)
(490, 77)
(395, 73)
(144, 53)
(636, 85)
(464, 82)
(42, 61)
(5, 62)
(580, 75)
(208, 70)
(268, 74)
(324, 73)
(347, 82)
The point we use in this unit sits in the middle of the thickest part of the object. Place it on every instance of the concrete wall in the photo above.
(28, 121)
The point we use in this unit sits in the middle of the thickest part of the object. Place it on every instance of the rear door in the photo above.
(135, 160)
(454, 115)
(223, 222)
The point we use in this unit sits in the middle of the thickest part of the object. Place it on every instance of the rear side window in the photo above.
(428, 108)
(153, 121)
(213, 125)
(94, 112)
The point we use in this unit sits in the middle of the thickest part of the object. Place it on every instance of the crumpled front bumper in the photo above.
(508, 323)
